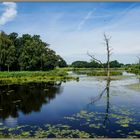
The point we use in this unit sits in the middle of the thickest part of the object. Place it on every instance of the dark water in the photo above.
(86, 105)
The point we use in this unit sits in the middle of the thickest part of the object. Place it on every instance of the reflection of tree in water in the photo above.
(106, 119)
(26, 98)
(107, 91)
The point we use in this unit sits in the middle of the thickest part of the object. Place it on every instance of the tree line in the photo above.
(27, 52)
(94, 64)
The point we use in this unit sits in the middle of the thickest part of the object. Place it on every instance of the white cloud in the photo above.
(9, 13)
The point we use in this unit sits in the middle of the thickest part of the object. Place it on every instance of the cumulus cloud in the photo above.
(9, 13)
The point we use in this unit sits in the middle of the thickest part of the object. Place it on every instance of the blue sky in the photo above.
(73, 28)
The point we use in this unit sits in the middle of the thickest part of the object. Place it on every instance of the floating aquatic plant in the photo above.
(120, 117)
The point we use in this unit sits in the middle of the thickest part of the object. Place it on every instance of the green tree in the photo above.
(94, 64)
(10, 57)
(80, 64)
(27, 53)
(115, 64)
(61, 62)
(7, 51)
(50, 59)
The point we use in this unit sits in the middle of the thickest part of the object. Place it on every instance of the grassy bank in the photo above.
(34, 76)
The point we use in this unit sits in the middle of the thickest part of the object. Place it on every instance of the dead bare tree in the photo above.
(108, 80)
(109, 52)
(138, 68)
(139, 64)
(107, 40)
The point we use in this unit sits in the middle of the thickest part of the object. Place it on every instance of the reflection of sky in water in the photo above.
(10, 122)
(75, 96)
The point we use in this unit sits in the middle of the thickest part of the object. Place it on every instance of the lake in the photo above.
(84, 108)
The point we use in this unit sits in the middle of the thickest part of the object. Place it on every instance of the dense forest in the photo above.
(27, 53)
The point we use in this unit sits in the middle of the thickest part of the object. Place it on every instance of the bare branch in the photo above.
(92, 56)
(107, 38)
(109, 53)
(97, 98)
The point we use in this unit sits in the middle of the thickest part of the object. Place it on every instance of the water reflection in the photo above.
(11, 122)
(106, 90)
(26, 98)
(106, 119)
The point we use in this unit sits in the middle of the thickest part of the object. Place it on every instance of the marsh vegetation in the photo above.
(23, 77)
(42, 97)
(51, 109)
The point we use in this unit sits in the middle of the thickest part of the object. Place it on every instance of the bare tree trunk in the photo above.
(107, 39)
(139, 66)
(139, 70)
(108, 63)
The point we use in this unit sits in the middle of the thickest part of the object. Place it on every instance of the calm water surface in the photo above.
(82, 105)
